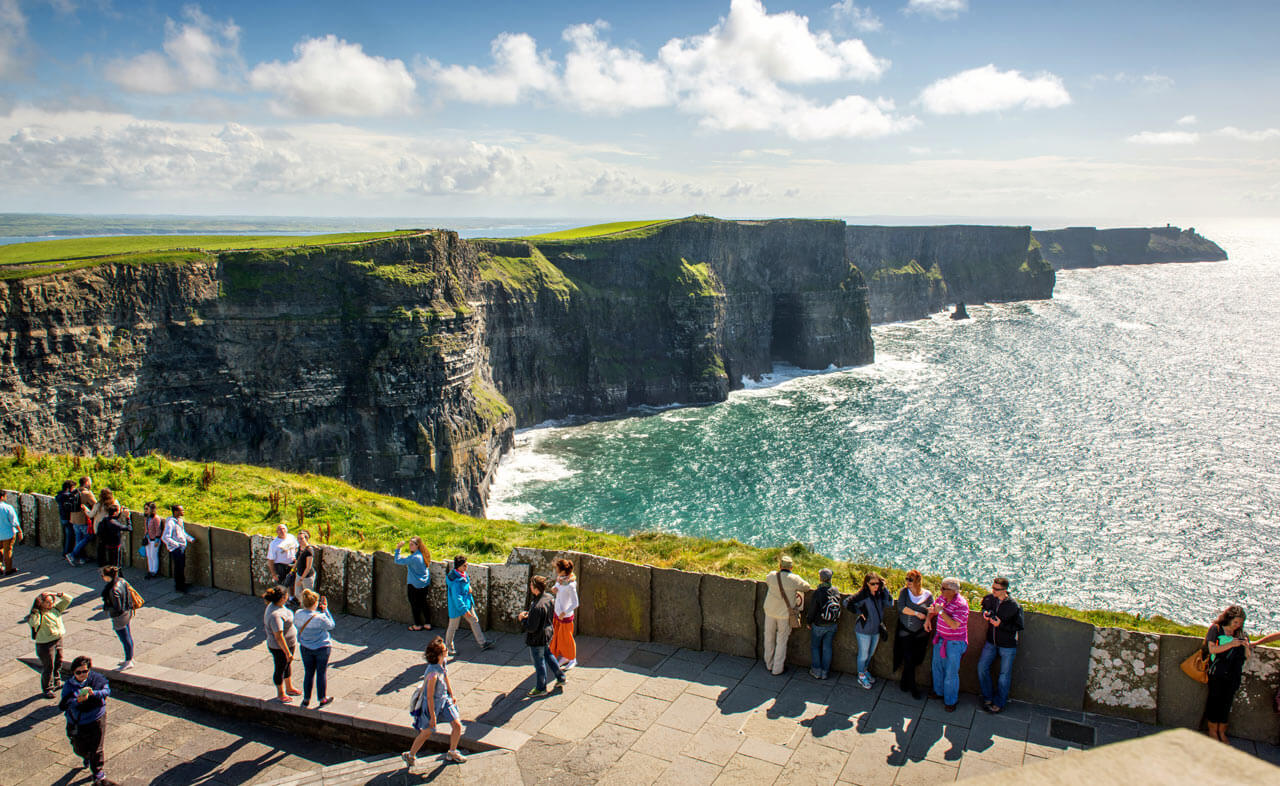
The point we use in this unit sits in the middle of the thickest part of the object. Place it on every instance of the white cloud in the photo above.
(518, 69)
(987, 89)
(1165, 138)
(938, 9)
(1249, 136)
(1156, 83)
(198, 54)
(329, 76)
(13, 33)
(852, 16)
(1187, 120)
(599, 77)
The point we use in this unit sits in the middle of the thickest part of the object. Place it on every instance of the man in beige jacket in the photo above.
(778, 600)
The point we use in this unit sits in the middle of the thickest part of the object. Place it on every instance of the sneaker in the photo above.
(79, 562)
(534, 692)
(50, 694)
(453, 653)
(126, 665)
(817, 675)
(560, 682)
(486, 645)
(570, 664)
(305, 703)
(949, 707)
(871, 679)
(409, 759)
(455, 756)
(326, 701)
(864, 681)
(69, 559)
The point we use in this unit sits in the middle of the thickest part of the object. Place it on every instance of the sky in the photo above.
(1023, 111)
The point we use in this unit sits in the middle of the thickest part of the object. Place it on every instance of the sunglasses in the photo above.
(81, 672)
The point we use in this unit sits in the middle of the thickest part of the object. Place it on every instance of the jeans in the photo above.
(946, 671)
(314, 665)
(866, 648)
(126, 640)
(820, 640)
(989, 653)
(543, 661)
(68, 537)
(82, 538)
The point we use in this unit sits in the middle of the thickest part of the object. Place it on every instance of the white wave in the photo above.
(1120, 325)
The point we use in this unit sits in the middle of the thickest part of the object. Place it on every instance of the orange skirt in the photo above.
(562, 644)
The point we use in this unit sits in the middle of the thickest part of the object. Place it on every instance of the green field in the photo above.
(236, 496)
(597, 230)
(94, 247)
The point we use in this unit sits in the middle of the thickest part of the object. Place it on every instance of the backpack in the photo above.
(829, 612)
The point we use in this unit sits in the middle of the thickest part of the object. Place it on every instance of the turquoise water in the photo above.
(1116, 447)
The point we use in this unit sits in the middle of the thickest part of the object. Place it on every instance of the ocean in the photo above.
(1115, 447)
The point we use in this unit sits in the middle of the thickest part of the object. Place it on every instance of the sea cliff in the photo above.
(1077, 247)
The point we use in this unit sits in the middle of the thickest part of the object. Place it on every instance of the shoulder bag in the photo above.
(135, 600)
(793, 614)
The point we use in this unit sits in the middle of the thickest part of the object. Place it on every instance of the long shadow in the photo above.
(404, 679)
(30, 720)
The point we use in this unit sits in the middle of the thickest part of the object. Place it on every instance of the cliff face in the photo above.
(362, 362)
(1076, 247)
(914, 271)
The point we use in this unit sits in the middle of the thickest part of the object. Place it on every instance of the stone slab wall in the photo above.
(728, 611)
(48, 526)
(676, 608)
(1124, 674)
(437, 598)
(359, 597)
(199, 569)
(232, 561)
(1052, 666)
(331, 576)
(616, 598)
(264, 576)
(390, 601)
(479, 575)
(1253, 714)
(508, 596)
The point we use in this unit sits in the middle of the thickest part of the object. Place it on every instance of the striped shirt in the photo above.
(958, 609)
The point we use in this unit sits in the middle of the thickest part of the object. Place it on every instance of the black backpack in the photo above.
(829, 612)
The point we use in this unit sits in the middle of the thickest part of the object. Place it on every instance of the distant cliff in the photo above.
(1076, 247)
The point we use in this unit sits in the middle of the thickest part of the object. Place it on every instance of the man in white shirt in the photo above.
(281, 554)
(176, 540)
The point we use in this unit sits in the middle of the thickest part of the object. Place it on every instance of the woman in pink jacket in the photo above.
(949, 619)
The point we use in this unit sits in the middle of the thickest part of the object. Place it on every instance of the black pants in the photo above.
(284, 666)
(86, 741)
(112, 555)
(418, 603)
(282, 574)
(178, 559)
(50, 655)
(914, 647)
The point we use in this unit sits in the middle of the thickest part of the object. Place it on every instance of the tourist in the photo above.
(1228, 647)
(10, 531)
(783, 602)
(314, 622)
(80, 520)
(176, 540)
(868, 604)
(117, 601)
(825, 605)
(151, 540)
(1004, 621)
(538, 624)
(47, 629)
(68, 501)
(281, 554)
(84, 700)
(97, 514)
(912, 640)
(565, 590)
(949, 621)
(434, 703)
(461, 605)
(282, 638)
(304, 566)
(418, 579)
(111, 535)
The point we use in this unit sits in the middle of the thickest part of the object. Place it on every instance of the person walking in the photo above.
(282, 640)
(911, 640)
(84, 701)
(868, 605)
(97, 514)
(949, 621)
(538, 623)
(418, 579)
(461, 602)
(68, 502)
(314, 622)
(281, 553)
(152, 539)
(111, 535)
(47, 630)
(1004, 622)
(304, 566)
(81, 521)
(825, 605)
(565, 590)
(117, 601)
(783, 601)
(177, 541)
(1229, 648)
(10, 531)
(434, 703)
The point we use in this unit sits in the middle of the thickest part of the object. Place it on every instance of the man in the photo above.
(948, 620)
(281, 554)
(538, 623)
(10, 530)
(1004, 621)
(176, 540)
(823, 616)
(80, 518)
(68, 503)
(785, 595)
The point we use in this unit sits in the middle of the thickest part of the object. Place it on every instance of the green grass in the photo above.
(237, 499)
(531, 274)
(28, 270)
(89, 247)
(597, 230)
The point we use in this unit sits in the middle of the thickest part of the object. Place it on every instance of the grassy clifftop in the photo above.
(238, 497)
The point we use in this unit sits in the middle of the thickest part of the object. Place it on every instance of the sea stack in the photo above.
(960, 313)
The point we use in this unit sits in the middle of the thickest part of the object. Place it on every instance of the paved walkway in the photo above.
(631, 712)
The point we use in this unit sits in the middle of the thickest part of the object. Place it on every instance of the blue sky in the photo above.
(1024, 111)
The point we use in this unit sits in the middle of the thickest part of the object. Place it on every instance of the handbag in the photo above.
(135, 600)
(793, 614)
(1196, 666)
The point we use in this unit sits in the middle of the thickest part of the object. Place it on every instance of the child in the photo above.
(461, 605)
(566, 592)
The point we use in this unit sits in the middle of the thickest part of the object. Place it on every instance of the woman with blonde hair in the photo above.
(314, 622)
(417, 580)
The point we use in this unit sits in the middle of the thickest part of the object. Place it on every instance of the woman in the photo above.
(111, 534)
(100, 511)
(563, 647)
(911, 641)
(84, 700)
(314, 623)
(281, 640)
(823, 615)
(304, 566)
(461, 605)
(418, 580)
(151, 543)
(1228, 649)
(868, 605)
(118, 604)
(949, 621)
(538, 627)
(47, 629)
(435, 703)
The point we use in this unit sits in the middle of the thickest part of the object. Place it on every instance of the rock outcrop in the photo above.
(1077, 247)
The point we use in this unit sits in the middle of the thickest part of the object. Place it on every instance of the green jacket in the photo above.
(47, 625)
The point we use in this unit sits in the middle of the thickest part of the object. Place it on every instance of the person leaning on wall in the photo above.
(10, 532)
(783, 604)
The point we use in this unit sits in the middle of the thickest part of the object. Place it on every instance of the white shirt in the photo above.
(566, 597)
(175, 534)
(282, 550)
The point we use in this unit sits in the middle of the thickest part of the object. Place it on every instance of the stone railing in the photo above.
(1061, 662)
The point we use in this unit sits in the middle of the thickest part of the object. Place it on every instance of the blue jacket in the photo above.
(90, 709)
(459, 591)
(418, 575)
(316, 633)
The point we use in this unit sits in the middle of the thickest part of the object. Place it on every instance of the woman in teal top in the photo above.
(418, 580)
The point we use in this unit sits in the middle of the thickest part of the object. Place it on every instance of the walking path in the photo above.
(631, 712)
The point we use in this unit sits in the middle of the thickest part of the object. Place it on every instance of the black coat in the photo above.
(538, 625)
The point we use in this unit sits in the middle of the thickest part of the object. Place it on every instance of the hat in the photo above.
(951, 584)
(824, 574)
(784, 562)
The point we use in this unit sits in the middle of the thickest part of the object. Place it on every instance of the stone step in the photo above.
(363, 771)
